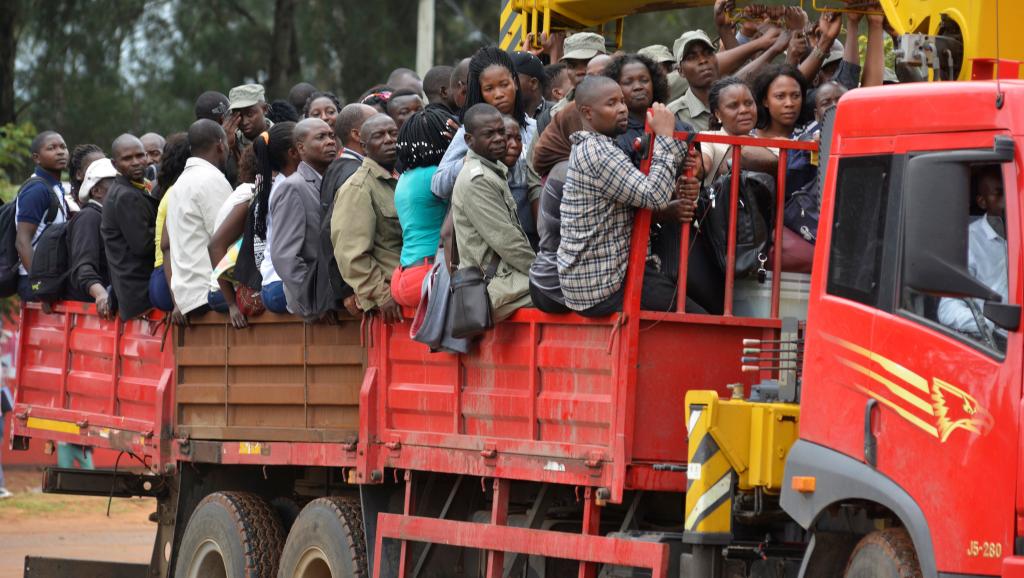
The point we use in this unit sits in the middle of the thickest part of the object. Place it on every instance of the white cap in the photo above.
(98, 170)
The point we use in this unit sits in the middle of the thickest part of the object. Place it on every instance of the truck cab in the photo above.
(910, 424)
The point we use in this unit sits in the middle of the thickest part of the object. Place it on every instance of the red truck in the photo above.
(874, 441)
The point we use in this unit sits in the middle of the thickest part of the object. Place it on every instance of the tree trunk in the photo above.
(8, 54)
(283, 49)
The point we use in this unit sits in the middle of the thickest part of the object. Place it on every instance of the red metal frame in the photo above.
(419, 409)
(494, 538)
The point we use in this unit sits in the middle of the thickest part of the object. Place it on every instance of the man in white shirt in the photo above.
(986, 257)
(191, 215)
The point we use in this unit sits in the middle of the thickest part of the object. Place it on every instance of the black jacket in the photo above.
(86, 259)
(129, 220)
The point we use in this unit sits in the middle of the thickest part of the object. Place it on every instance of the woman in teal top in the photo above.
(422, 142)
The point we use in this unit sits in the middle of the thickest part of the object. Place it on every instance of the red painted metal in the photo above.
(107, 380)
(595, 549)
(499, 517)
(780, 208)
(939, 384)
(730, 260)
(591, 527)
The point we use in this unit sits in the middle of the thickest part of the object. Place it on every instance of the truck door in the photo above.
(946, 382)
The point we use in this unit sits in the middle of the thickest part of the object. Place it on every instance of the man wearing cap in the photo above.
(698, 64)
(88, 275)
(662, 56)
(245, 121)
(579, 49)
(532, 82)
(211, 105)
(585, 55)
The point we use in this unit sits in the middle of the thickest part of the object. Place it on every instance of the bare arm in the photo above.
(750, 70)
(830, 25)
(723, 22)
(23, 243)
(229, 232)
(731, 60)
(874, 59)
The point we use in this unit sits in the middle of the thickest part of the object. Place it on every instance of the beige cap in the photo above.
(100, 169)
(684, 42)
(584, 46)
(245, 96)
(659, 53)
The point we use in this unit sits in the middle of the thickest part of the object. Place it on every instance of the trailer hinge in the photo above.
(490, 451)
(82, 423)
(395, 446)
(594, 459)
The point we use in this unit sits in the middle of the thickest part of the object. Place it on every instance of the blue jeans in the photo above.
(217, 302)
(159, 292)
(273, 297)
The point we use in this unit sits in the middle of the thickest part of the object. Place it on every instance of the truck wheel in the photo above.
(287, 511)
(885, 553)
(231, 535)
(326, 541)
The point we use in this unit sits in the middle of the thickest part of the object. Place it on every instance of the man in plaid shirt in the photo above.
(602, 192)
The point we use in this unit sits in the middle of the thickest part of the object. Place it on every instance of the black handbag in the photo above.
(802, 213)
(470, 303)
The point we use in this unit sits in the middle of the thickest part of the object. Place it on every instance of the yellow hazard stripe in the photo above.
(927, 427)
(900, 392)
(889, 365)
(53, 425)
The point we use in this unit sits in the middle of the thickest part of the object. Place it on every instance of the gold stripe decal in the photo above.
(939, 409)
(53, 425)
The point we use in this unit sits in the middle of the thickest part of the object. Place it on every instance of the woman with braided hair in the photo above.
(82, 156)
(276, 158)
(422, 142)
(493, 80)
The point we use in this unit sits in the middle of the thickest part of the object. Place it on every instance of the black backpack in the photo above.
(50, 264)
(754, 220)
(9, 258)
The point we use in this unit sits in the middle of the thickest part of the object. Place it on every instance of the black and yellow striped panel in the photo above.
(513, 25)
(709, 480)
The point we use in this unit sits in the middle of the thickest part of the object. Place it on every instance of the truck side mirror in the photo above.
(935, 247)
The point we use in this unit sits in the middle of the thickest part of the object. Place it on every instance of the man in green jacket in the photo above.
(365, 230)
(487, 229)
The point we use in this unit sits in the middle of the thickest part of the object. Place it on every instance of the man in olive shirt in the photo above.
(364, 226)
(487, 228)
(698, 64)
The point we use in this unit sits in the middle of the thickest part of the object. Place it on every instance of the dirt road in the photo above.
(38, 524)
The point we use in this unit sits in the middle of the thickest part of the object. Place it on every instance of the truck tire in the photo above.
(326, 541)
(231, 535)
(885, 553)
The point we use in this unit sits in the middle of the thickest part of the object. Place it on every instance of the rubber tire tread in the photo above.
(347, 513)
(257, 528)
(885, 553)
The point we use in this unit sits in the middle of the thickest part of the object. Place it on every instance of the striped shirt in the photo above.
(602, 192)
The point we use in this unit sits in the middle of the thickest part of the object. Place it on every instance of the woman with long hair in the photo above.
(172, 163)
(493, 79)
(422, 142)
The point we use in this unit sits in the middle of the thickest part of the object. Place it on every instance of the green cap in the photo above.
(684, 42)
(245, 96)
(584, 46)
(658, 53)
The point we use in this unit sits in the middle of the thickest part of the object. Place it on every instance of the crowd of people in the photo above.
(519, 163)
